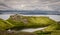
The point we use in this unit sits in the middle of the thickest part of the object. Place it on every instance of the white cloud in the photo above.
(32, 4)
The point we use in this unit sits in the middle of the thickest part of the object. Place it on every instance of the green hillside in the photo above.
(5, 25)
(29, 21)
(18, 22)
(52, 29)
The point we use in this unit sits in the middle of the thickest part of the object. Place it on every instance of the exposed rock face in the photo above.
(16, 17)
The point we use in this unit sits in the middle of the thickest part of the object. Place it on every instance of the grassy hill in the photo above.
(17, 22)
(29, 21)
(5, 24)
(52, 29)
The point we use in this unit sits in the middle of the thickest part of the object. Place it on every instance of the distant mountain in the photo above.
(30, 12)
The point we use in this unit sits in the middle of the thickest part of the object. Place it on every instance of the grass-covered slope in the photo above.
(56, 32)
(50, 30)
(16, 20)
(29, 21)
(5, 25)
(40, 21)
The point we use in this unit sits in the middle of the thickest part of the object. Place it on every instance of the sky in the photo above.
(48, 5)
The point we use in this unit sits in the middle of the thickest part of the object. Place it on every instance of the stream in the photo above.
(28, 30)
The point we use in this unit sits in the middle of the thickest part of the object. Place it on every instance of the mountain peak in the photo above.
(15, 17)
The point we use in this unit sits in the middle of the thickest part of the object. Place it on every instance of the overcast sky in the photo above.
(53, 5)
